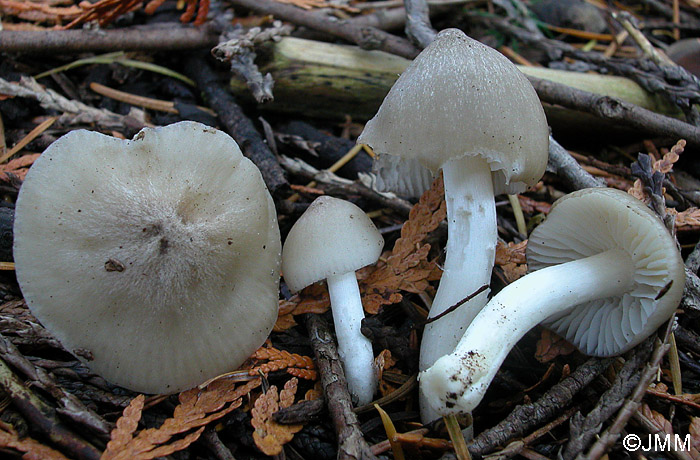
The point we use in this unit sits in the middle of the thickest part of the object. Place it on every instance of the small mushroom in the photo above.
(156, 257)
(464, 108)
(605, 274)
(331, 240)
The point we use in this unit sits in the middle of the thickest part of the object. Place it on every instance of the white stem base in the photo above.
(354, 348)
(471, 249)
(456, 383)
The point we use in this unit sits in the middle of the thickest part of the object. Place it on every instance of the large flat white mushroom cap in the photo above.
(155, 260)
(332, 237)
(592, 221)
(461, 98)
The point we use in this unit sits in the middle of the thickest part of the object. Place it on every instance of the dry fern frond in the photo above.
(269, 435)
(407, 268)
(197, 408)
(297, 365)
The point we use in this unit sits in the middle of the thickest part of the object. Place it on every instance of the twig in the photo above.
(351, 444)
(237, 124)
(515, 447)
(211, 439)
(566, 167)
(75, 112)
(364, 36)
(418, 27)
(162, 37)
(615, 110)
(583, 430)
(70, 405)
(457, 305)
(42, 417)
(526, 417)
(338, 185)
(237, 47)
(673, 82)
(609, 436)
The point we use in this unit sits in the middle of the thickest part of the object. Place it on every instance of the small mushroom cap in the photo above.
(458, 98)
(154, 260)
(589, 222)
(332, 237)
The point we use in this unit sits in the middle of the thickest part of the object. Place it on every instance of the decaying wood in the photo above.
(328, 80)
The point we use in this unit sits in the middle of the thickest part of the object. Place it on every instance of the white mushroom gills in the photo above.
(331, 240)
(464, 108)
(607, 275)
(154, 260)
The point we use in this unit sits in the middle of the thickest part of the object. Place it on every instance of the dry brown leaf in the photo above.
(126, 426)
(197, 408)
(407, 267)
(529, 205)
(688, 218)
(551, 345)
(312, 299)
(656, 418)
(297, 365)
(269, 435)
(314, 393)
(665, 164)
(28, 447)
(694, 430)
(510, 253)
(511, 258)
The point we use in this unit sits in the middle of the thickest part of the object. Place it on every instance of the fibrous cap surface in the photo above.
(457, 98)
(332, 237)
(589, 222)
(155, 260)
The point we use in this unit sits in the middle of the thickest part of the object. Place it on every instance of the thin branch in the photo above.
(524, 418)
(351, 443)
(615, 110)
(369, 38)
(162, 37)
(568, 169)
(418, 27)
(43, 418)
(237, 124)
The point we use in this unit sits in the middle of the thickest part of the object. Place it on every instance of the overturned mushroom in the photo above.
(331, 240)
(605, 274)
(464, 108)
(154, 260)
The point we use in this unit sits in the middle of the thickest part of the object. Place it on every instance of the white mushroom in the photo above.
(331, 240)
(153, 260)
(606, 274)
(464, 108)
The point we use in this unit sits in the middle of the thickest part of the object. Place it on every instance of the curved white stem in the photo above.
(457, 382)
(354, 348)
(471, 249)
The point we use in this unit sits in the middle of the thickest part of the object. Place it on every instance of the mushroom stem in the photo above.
(471, 249)
(457, 382)
(354, 348)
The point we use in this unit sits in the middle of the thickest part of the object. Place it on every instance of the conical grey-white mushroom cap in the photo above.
(589, 222)
(457, 98)
(332, 237)
(158, 256)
